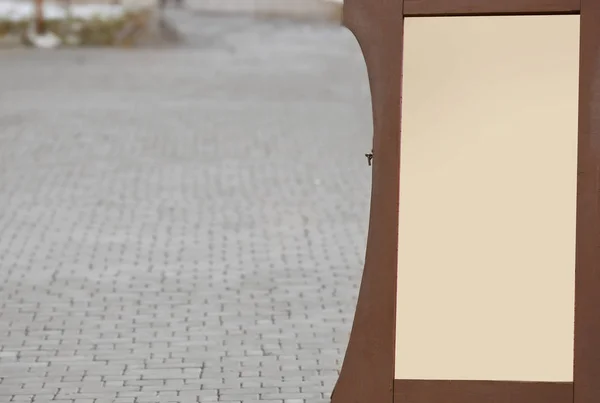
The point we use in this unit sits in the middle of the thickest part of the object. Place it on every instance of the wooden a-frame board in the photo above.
(482, 272)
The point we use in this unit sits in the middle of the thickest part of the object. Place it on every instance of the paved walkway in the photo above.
(183, 225)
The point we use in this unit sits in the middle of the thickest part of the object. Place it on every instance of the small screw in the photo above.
(369, 157)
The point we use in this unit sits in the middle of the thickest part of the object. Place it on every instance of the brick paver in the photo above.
(182, 225)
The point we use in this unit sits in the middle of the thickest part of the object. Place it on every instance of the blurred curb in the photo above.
(301, 10)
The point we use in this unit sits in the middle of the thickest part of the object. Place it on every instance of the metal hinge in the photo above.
(369, 157)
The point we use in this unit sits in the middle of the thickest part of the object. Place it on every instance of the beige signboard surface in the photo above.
(487, 198)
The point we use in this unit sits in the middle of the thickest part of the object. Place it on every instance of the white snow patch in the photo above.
(22, 11)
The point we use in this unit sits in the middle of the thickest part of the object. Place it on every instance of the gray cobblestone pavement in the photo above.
(182, 225)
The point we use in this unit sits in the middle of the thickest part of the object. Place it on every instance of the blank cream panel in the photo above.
(487, 198)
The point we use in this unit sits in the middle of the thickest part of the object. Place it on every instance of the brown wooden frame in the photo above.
(367, 374)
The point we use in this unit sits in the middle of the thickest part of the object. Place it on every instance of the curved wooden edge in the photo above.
(367, 374)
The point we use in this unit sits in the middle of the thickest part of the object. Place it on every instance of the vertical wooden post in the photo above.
(40, 26)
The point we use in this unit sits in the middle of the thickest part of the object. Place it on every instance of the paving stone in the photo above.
(183, 225)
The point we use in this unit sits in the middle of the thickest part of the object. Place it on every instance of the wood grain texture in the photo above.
(587, 266)
(417, 391)
(367, 373)
(488, 7)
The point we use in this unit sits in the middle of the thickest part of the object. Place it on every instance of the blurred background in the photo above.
(184, 199)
